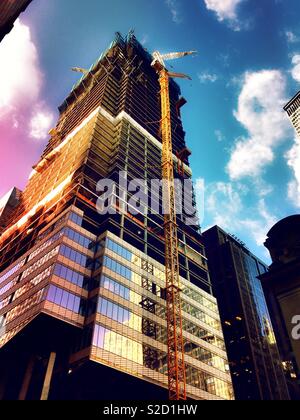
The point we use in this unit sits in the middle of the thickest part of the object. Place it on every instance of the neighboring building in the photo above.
(9, 12)
(7, 205)
(85, 292)
(253, 355)
(293, 111)
(282, 289)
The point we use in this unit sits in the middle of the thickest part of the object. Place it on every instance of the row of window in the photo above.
(71, 276)
(198, 297)
(120, 290)
(124, 253)
(119, 314)
(24, 306)
(151, 329)
(45, 245)
(133, 297)
(73, 255)
(129, 256)
(129, 275)
(75, 218)
(13, 270)
(32, 283)
(47, 232)
(203, 334)
(143, 355)
(117, 344)
(61, 271)
(205, 356)
(79, 238)
(119, 250)
(40, 262)
(202, 316)
(127, 294)
(8, 286)
(118, 268)
(66, 300)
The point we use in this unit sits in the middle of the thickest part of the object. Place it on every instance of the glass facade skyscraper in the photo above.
(255, 364)
(82, 292)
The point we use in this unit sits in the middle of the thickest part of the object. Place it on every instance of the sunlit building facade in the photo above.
(292, 108)
(82, 294)
(256, 367)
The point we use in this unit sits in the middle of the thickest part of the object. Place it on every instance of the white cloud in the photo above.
(225, 205)
(40, 124)
(296, 67)
(291, 37)
(20, 77)
(293, 160)
(259, 226)
(207, 77)
(260, 111)
(173, 6)
(219, 135)
(225, 10)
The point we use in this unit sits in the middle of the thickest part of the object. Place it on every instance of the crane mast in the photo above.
(176, 364)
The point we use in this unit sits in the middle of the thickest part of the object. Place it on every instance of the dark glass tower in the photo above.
(83, 294)
(255, 363)
(9, 12)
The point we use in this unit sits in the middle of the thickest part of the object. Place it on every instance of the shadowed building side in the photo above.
(281, 285)
(10, 10)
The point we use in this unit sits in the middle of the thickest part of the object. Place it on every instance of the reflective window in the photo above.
(117, 268)
(120, 250)
(75, 218)
(24, 306)
(70, 275)
(78, 238)
(47, 232)
(13, 270)
(45, 245)
(199, 332)
(118, 344)
(119, 314)
(66, 300)
(73, 255)
(210, 384)
(8, 286)
(33, 282)
(202, 316)
(205, 356)
(156, 360)
(119, 290)
(198, 297)
(40, 262)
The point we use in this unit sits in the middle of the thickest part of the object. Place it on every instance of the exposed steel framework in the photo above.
(176, 365)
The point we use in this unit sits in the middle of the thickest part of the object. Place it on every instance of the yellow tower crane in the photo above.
(176, 365)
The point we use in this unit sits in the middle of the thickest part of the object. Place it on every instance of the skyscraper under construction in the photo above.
(82, 291)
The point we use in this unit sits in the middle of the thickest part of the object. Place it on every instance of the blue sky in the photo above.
(247, 68)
